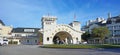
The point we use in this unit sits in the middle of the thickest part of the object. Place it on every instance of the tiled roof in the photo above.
(117, 18)
(98, 23)
(76, 21)
(101, 24)
(28, 30)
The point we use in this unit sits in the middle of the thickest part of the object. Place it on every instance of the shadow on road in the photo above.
(117, 50)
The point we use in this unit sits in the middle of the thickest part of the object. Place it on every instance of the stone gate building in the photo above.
(54, 33)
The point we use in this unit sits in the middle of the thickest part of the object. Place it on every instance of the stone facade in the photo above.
(26, 36)
(68, 34)
(51, 32)
(113, 24)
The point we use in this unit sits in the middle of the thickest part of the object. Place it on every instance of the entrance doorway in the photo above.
(62, 38)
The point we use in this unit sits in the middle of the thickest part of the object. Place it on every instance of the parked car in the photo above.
(84, 42)
(3, 41)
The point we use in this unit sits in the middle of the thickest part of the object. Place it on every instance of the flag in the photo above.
(74, 17)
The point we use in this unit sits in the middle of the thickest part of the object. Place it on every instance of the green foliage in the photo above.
(41, 36)
(41, 39)
(12, 42)
(86, 36)
(100, 32)
(81, 46)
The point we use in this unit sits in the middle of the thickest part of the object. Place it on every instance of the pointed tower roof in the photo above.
(1, 22)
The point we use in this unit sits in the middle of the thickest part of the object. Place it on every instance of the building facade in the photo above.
(113, 24)
(93, 24)
(90, 25)
(54, 33)
(5, 31)
(27, 36)
(51, 33)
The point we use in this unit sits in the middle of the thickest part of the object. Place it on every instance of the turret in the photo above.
(48, 21)
(75, 25)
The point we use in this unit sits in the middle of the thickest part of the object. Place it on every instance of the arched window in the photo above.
(47, 38)
(76, 38)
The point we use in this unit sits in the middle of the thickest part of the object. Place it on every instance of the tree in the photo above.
(40, 35)
(100, 32)
(86, 36)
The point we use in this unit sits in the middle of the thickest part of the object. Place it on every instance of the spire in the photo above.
(74, 16)
(109, 15)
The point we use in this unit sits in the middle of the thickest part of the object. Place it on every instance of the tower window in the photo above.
(47, 38)
(48, 22)
(76, 38)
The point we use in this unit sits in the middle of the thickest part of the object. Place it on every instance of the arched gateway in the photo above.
(54, 33)
(62, 37)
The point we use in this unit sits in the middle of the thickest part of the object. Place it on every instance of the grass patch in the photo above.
(81, 46)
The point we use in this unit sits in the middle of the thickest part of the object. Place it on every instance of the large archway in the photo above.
(62, 37)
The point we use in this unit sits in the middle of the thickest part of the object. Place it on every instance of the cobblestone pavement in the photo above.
(35, 50)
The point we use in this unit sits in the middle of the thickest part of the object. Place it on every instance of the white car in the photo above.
(3, 41)
(84, 42)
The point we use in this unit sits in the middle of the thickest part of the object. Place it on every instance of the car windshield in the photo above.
(5, 40)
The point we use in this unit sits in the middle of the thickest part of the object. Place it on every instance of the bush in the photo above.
(80, 46)
(12, 42)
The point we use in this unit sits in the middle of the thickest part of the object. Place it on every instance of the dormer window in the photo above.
(29, 30)
(113, 21)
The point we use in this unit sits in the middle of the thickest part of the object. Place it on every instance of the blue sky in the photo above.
(28, 13)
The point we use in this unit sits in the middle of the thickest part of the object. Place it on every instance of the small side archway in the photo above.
(40, 35)
(62, 37)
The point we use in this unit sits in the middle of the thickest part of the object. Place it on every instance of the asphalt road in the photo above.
(35, 50)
